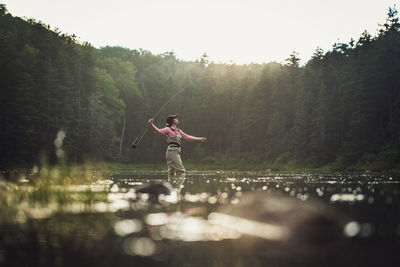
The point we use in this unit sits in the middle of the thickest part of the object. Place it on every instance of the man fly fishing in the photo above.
(174, 140)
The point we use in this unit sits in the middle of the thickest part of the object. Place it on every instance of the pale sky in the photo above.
(243, 31)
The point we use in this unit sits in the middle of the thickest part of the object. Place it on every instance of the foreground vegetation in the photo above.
(341, 110)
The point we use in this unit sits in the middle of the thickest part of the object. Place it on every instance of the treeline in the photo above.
(341, 108)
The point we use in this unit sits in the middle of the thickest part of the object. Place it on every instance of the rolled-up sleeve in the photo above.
(163, 131)
(186, 136)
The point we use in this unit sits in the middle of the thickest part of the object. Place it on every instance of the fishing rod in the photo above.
(137, 140)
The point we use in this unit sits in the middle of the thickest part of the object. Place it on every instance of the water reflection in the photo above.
(249, 227)
(262, 217)
(142, 246)
(126, 227)
(352, 229)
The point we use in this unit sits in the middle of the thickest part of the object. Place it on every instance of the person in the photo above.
(174, 140)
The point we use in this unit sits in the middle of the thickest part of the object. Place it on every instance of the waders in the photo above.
(176, 171)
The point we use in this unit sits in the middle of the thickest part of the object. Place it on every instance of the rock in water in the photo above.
(154, 190)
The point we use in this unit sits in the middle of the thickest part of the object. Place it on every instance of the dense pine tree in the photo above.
(342, 107)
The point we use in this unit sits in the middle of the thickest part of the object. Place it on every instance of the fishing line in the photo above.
(139, 138)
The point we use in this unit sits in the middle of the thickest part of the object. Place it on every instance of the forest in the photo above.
(340, 109)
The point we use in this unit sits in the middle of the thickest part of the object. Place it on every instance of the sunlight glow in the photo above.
(253, 228)
(126, 227)
(227, 30)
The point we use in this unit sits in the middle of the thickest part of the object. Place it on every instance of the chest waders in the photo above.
(176, 171)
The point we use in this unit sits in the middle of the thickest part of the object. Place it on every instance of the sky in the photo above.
(239, 31)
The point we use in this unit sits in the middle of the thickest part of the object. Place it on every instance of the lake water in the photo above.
(218, 219)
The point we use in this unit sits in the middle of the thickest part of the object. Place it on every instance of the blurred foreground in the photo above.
(219, 219)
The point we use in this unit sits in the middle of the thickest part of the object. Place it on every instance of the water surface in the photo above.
(218, 219)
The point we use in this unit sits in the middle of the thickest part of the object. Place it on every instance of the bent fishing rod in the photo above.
(137, 140)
